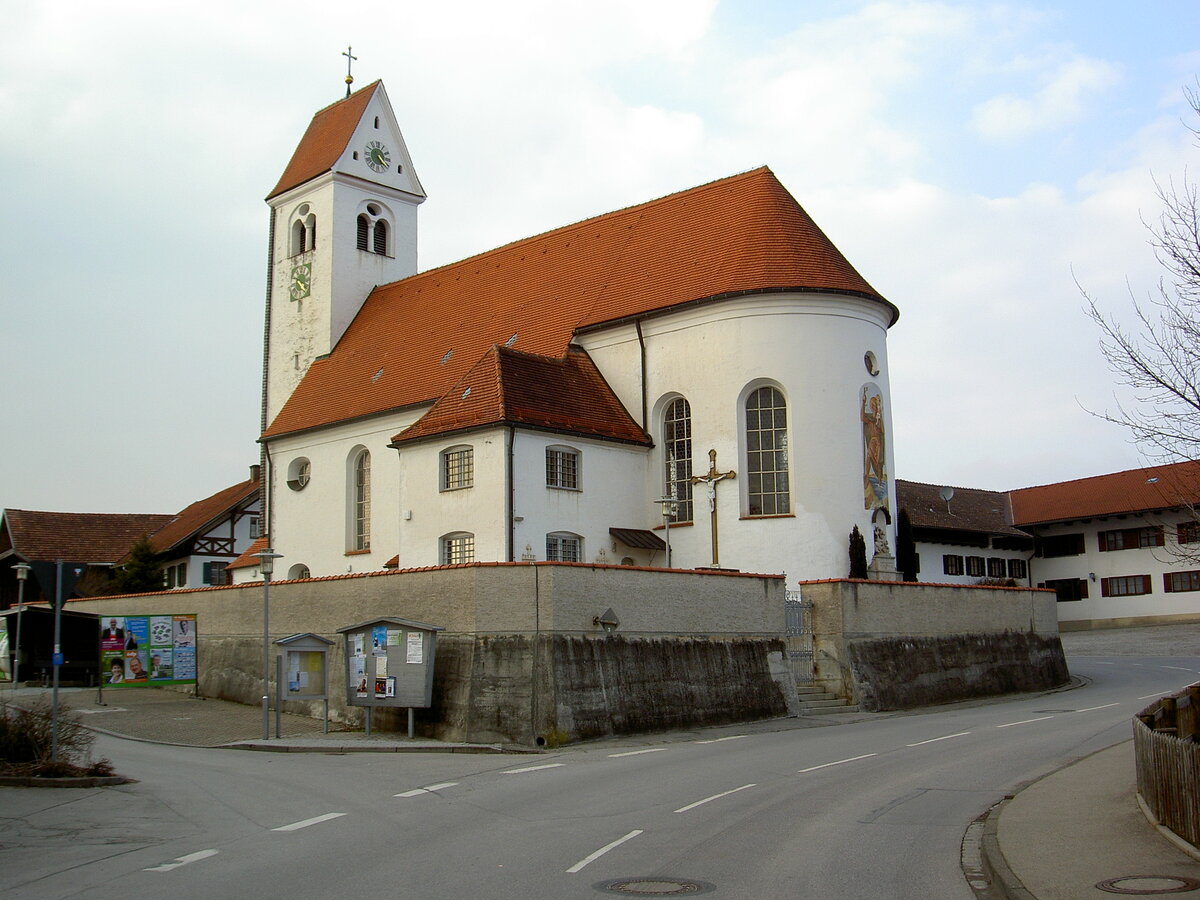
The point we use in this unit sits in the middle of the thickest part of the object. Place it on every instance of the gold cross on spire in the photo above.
(711, 480)
(349, 62)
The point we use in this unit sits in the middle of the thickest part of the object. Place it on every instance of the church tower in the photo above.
(343, 220)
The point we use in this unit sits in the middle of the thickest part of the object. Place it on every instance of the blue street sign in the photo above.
(56, 659)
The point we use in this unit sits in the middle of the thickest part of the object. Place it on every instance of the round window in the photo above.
(299, 472)
(871, 363)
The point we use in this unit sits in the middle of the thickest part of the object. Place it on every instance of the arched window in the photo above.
(299, 570)
(562, 468)
(562, 546)
(677, 454)
(361, 502)
(458, 468)
(303, 232)
(768, 490)
(374, 228)
(297, 240)
(458, 547)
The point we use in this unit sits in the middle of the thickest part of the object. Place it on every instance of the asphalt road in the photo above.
(870, 809)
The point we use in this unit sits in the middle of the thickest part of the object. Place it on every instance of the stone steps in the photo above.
(816, 702)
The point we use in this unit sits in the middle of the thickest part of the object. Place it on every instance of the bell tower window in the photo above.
(373, 230)
(303, 231)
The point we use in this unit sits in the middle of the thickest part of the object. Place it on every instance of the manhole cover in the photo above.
(1144, 885)
(653, 887)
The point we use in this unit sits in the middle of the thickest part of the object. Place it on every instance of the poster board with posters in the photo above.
(305, 666)
(141, 651)
(389, 662)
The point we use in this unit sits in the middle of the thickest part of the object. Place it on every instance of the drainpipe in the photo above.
(264, 494)
(637, 323)
(510, 499)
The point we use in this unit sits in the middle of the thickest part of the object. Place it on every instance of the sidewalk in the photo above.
(1066, 833)
(170, 717)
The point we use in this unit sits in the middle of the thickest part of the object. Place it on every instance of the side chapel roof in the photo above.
(1132, 491)
(414, 339)
(325, 141)
(506, 386)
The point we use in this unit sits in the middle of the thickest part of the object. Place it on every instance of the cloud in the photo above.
(1060, 100)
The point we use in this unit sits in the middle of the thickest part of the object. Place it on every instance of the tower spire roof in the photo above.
(327, 137)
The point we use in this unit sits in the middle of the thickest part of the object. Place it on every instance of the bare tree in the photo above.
(1158, 356)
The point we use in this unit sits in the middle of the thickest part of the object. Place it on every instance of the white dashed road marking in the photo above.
(182, 861)
(315, 820)
(714, 797)
(838, 763)
(635, 752)
(417, 792)
(599, 853)
(531, 768)
(943, 738)
(1025, 721)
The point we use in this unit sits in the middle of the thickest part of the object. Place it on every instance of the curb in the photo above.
(369, 748)
(1003, 878)
(80, 781)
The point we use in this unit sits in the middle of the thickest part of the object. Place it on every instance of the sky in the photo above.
(977, 163)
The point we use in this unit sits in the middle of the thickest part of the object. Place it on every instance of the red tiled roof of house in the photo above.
(201, 514)
(1135, 490)
(413, 340)
(248, 558)
(970, 509)
(325, 141)
(506, 386)
(102, 538)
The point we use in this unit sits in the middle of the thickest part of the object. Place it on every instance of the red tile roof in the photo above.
(1136, 490)
(506, 386)
(248, 558)
(325, 141)
(202, 514)
(970, 509)
(413, 340)
(102, 538)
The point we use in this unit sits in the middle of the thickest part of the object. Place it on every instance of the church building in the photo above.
(707, 361)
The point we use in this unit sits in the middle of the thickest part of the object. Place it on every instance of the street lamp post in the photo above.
(22, 570)
(266, 565)
(669, 507)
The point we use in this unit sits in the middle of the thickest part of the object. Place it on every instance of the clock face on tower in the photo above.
(378, 157)
(301, 281)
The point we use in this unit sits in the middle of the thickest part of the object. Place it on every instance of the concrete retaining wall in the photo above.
(894, 646)
(520, 658)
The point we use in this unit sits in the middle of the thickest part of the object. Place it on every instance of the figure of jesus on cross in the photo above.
(711, 480)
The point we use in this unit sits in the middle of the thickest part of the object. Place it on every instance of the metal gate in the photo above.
(798, 615)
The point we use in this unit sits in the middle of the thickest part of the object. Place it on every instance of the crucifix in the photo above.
(349, 62)
(710, 480)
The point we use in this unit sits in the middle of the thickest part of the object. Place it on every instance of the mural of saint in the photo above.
(875, 478)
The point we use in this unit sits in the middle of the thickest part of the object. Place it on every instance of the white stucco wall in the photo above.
(810, 346)
(310, 526)
(1116, 563)
(932, 569)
